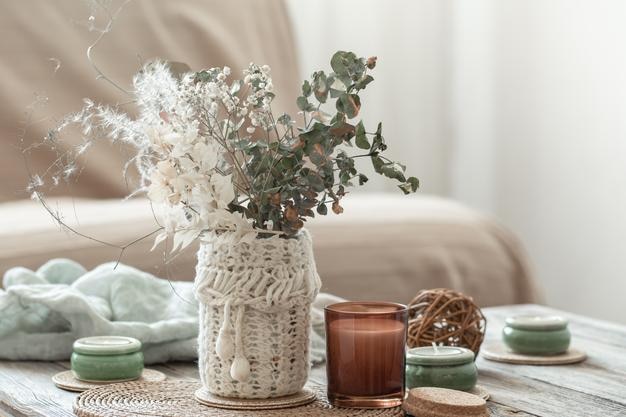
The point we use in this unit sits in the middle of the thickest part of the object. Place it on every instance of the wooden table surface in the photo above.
(596, 387)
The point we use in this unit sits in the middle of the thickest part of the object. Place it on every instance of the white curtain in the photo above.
(516, 107)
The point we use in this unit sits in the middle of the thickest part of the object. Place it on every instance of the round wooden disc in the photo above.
(443, 402)
(301, 398)
(67, 381)
(176, 398)
(478, 390)
(498, 352)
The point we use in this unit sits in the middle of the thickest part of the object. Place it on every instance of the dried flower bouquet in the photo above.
(212, 155)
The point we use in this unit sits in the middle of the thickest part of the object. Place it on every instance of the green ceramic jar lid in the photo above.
(538, 323)
(106, 345)
(441, 355)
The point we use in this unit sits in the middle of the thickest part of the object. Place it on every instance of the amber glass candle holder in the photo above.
(365, 353)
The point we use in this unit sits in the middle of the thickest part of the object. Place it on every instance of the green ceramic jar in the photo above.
(537, 335)
(442, 367)
(107, 358)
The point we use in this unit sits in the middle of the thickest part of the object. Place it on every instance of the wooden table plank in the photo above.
(26, 389)
(540, 398)
(595, 387)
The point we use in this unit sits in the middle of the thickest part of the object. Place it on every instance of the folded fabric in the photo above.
(43, 312)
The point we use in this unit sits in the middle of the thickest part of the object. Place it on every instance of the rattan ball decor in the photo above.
(445, 317)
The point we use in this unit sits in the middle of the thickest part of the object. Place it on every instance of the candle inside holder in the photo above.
(365, 346)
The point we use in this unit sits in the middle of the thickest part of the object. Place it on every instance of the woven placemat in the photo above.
(498, 352)
(176, 399)
(66, 380)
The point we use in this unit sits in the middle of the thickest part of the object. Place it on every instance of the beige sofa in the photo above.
(383, 246)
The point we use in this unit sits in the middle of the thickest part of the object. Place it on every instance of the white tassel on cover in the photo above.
(224, 347)
(240, 369)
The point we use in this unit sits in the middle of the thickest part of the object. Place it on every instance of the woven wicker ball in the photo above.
(446, 317)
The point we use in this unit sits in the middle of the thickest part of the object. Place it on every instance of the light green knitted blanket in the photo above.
(43, 312)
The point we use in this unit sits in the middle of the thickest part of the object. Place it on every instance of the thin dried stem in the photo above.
(106, 30)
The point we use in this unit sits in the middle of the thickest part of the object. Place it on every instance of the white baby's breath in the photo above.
(182, 133)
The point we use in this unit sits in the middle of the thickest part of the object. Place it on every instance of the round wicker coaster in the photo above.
(66, 380)
(303, 397)
(176, 398)
(499, 353)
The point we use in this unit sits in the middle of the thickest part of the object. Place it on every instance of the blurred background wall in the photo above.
(515, 107)
(410, 91)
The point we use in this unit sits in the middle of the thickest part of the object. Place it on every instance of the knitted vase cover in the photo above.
(255, 304)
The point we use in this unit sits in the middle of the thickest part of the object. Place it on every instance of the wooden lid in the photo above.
(442, 402)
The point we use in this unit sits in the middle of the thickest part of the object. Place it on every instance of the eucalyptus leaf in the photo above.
(363, 82)
(344, 177)
(334, 93)
(393, 170)
(340, 60)
(410, 186)
(342, 130)
(316, 182)
(361, 139)
(377, 163)
(378, 143)
(302, 103)
(349, 104)
(306, 88)
(317, 155)
(320, 86)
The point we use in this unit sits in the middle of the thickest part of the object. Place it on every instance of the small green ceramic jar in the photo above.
(537, 335)
(442, 367)
(107, 358)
